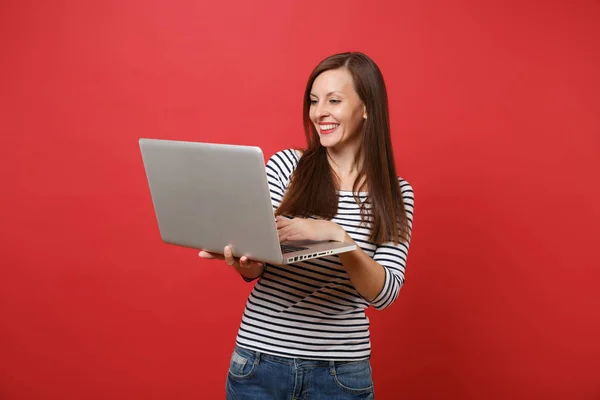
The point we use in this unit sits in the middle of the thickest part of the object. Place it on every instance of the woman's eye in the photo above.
(334, 101)
(313, 102)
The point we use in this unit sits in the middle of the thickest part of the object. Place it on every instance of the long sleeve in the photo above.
(393, 257)
(279, 170)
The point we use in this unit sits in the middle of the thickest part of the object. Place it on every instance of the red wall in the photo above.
(496, 122)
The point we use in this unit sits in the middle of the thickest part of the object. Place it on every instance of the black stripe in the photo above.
(319, 332)
(321, 315)
(365, 324)
(298, 348)
(347, 342)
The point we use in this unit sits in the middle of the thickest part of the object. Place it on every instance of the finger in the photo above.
(285, 233)
(286, 230)
(205, 254)
(244, 262)
(228, 256)
(210, 256)
(252, 263)
(291, 232)
(282, 236)
(295, 236)
(283, 223)
(286, 221)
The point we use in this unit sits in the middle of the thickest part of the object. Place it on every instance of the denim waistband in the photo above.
(297, 362)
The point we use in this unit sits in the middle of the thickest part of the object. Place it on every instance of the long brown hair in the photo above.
(312, 190)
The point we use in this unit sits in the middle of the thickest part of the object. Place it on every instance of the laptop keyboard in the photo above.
(287, 248)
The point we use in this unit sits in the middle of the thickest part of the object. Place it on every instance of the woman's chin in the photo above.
(328, 141)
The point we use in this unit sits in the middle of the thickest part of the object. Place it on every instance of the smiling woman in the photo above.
(346, 123)
(304, 329)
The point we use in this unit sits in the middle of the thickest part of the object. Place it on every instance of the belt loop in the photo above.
(257, 359)
(332, 367)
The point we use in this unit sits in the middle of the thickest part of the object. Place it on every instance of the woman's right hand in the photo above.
(243, 262)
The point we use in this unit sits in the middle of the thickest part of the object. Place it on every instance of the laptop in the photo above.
(209, 195)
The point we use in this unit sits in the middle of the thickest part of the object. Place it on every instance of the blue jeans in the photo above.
(255, 375)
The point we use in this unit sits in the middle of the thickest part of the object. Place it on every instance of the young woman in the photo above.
(304, 333)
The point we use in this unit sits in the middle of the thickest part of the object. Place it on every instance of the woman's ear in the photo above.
(364, 112)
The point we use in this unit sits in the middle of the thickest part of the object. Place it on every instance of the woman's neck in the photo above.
(345, 165)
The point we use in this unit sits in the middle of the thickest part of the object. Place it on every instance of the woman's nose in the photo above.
(321, 110)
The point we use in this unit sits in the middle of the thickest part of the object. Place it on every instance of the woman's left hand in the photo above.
(308, 229)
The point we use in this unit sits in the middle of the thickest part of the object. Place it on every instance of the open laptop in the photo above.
(207, 196)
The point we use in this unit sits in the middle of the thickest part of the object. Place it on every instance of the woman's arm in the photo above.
(367, 275)
(378, 279)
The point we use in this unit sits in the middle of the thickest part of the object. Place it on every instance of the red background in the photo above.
(495, 114)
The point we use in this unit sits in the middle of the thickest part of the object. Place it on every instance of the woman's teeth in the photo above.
(328, 128)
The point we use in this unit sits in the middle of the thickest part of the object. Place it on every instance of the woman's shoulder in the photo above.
(287, 156)
(285, 161)
(405, 187)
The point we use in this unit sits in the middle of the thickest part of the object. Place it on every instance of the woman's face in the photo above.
(335, 108)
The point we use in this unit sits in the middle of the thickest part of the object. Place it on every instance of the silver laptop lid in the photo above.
(207, 196)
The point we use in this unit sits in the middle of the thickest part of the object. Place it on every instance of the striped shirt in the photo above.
(310, 309)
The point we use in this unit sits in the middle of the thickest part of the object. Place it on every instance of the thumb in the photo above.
(204, 254)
